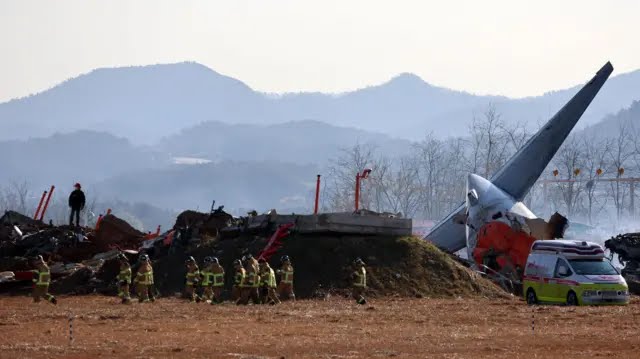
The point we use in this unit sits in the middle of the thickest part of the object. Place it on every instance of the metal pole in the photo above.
(357, 190)
(632, 191)
(315, 208)
(40, 205)
(46, 204)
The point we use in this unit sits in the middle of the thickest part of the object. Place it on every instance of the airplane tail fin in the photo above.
(519, 174)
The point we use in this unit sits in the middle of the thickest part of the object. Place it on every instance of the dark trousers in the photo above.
(77, 213)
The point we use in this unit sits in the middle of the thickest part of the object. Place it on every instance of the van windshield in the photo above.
(592, 267)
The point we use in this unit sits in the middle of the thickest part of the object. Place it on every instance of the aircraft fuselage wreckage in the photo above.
(494, 206)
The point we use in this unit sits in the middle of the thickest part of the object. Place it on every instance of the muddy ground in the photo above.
(335, 328)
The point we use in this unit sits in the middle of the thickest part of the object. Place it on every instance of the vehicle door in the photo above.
(558, 289)
(546, 268)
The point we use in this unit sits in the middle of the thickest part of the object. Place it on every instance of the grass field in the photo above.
(335, 328)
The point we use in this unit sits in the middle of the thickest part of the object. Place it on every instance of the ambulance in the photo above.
(572, 273)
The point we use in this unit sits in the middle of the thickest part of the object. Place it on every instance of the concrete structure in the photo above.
(348, 223)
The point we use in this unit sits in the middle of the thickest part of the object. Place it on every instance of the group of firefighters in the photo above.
(253, 280)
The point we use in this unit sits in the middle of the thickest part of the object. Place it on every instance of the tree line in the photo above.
(430, 181)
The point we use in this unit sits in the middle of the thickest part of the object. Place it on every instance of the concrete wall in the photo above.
(349, 223)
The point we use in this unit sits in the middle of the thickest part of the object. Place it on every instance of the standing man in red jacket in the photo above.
(76, 202)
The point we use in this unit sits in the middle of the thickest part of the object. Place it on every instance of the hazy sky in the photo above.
(508, 47)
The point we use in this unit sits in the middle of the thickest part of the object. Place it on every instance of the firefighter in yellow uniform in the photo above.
(124, 279)
(144, 280)
(268, 283)
(192, 279)
(218, 281)
(207, 279)
(238, 279)
(359, 277)
(41, 281)
(285, 287)
(255, 291)
(251, 282)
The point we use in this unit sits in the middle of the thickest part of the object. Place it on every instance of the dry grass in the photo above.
(337, 328)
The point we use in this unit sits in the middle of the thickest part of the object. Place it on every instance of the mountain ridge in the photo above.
(147, 103)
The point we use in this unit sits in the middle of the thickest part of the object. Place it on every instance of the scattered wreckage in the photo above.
(83, 260)
(627, 248)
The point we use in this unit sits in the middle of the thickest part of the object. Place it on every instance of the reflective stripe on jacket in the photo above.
(192, 277)
(239, 277)
(360, 277)
(247, 280)
(264, 278)
(207, 278)
(125, 275)
(287, 275)
(256, 280)
(272, 278)
(44, 277)
(145, 278)
(218, 279)
(268, 278)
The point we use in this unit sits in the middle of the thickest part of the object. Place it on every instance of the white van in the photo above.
(572, 273)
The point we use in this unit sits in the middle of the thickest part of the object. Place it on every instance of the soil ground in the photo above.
(386, 327)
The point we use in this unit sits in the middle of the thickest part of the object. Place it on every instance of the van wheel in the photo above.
(572, 299)
(532, 299)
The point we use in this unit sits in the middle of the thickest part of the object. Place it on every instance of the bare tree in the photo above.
(621, 153)
(567, 161)
(15, 197)
(429, 159)
(342, 174)
(397, 187)
(489, 142)
(595, 152)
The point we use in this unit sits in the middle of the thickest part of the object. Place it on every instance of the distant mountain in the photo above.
(139, 103)
(610, 126)
(63, 159)
(617, 93)
(311, 142)
(147, 103)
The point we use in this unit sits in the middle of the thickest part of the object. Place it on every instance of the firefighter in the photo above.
(144, 280)
(285, 287)
(268, 283)
(207, 279)
(238, 279)
(41, 280)
(218, 281)
(255, 289)
(124, 279)
(76, 203)
(359, 277)
(249, 287)
(192, 279)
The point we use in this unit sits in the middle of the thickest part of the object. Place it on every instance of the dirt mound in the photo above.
(115, 232)
(404, 266)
